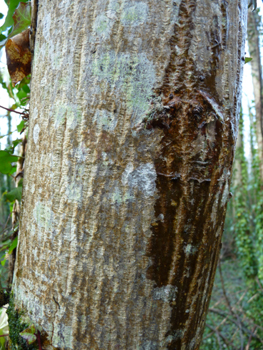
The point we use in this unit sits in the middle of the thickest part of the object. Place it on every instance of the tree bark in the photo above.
(254, 49)
(133, 120)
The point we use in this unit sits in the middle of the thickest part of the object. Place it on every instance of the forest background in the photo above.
(235, 318)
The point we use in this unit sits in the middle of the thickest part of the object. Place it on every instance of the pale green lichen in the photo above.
(135, 14)
(101, 24)
(43, 215)
(133, 76)
(74, 183)
(190, 249)
(70, 113)
(165, 293)
(105, 120)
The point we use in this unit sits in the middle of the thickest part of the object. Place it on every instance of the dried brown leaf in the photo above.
(18, 56)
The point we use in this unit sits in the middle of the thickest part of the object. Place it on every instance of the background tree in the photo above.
(133, 120)
(254, 23)
(235, 313)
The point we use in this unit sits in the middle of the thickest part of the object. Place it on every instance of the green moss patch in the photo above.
(16, 325)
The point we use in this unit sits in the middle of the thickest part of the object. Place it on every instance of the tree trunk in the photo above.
(254, 49)
(133, 120)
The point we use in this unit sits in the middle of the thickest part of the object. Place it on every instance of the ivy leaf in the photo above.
(248, 59)
(16, 142)
(21, 94)
(6, 160)
(22, 18)
(14, 194)
(13, 245)
(29, 334)
(20, 126)
(2, 37)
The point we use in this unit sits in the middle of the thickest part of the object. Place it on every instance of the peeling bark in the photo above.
(133, 121)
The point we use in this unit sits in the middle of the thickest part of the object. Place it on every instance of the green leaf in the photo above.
(22, 18)
(16, 142)
(26, 88)
(6, 160)
(18, 19)
(3, 262)
(29, 334)
(13, 170)
(21, 94)
(9, 17)
(1, 15)
(20, 126)
(3, 323)
(248, 59)
(14, 194)
(13, 245)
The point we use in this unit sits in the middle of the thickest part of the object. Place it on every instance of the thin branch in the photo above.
(244, 328)
(215, 330)
(250, 338)
(259, 284)
(6, 223)
(11, 110)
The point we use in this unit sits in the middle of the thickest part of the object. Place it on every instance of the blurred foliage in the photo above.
(235, 317)
(17, 19)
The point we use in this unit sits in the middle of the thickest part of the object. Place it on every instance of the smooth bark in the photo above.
(133, 120)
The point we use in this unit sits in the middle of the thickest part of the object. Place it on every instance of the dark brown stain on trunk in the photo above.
(192, 172)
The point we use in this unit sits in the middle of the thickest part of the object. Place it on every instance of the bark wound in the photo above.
(197, 153)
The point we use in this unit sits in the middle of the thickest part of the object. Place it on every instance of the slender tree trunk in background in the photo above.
(133, 120)
(9, 130)
(254, 49)
(237, 169)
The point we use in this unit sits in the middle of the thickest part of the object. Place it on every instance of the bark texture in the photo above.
(133, 121)
(254, 49)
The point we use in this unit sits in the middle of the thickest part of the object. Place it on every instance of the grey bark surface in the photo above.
(133, 120)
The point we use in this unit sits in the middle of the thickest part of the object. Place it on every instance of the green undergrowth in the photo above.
(17, 325)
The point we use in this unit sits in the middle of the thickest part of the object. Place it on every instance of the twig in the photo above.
(6, 222)
(215, 330)
(245, 329)
(11, 110)
(259, 284)
(250, 338)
